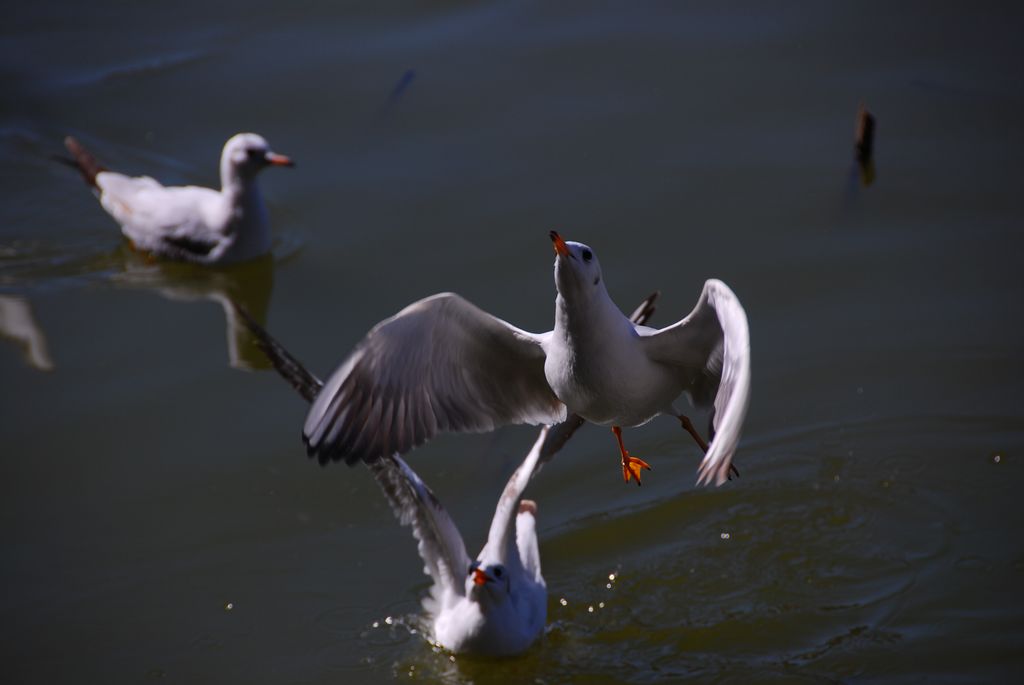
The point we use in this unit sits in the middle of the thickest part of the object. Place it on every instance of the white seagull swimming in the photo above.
(191, 223)
(442, 364)
(496, 604)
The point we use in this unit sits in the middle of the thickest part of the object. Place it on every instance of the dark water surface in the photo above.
(160, 521)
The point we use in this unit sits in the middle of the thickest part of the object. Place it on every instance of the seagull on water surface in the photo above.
(496, 604)
(190, 223)
(442, 364)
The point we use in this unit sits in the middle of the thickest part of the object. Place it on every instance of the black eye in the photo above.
(254, 154)
(470, 571)
(587, 255)
(497, 572)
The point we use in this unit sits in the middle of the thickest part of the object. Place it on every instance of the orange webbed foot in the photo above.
(631, 467)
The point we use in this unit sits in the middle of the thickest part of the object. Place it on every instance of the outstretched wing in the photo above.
(501, 533)
(441, 364)
(710, 352)
(440, 544)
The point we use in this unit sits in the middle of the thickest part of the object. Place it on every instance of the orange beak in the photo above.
(561, 249)
(479, 577)
(278, 160)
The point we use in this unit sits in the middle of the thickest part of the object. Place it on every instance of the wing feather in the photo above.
(710, 352)
(440, 544)
(456, 367)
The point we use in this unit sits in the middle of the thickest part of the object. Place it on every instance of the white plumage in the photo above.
(493, 605)
(191, 223)
(442, 364)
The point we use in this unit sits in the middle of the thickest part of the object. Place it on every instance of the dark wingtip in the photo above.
(82, 160)
(325, 454)
(643, 313)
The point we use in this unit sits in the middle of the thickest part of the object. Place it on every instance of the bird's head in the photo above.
(248, 153)
(577, 271)
(488, 583)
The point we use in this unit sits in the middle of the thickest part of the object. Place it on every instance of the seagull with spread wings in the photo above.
(442, 364)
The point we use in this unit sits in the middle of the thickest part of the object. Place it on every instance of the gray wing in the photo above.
(501, 536)
(414, 504)
(441, 364)
(440, 544)
(710, 352)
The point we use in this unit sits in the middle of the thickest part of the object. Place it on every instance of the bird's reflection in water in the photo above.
(249, 284)
(17, 323)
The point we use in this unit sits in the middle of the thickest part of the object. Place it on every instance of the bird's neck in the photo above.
(247, 214)
(242, 193)
(576, 322)
(232, 181)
